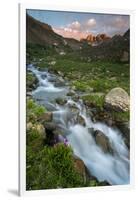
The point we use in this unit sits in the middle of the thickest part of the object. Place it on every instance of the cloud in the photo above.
(76, 29)
(71, 33)
(91, 23)
(108, 24)
(120, 22)
(75, 25)
(116, 25)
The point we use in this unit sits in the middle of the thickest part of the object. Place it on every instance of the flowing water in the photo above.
(113, 168)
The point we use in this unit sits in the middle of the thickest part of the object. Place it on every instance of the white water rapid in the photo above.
(113, 168)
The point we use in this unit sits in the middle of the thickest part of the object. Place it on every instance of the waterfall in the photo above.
(113, 168)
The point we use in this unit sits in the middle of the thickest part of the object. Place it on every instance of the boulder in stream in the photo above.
(102, 141)
(81, 120)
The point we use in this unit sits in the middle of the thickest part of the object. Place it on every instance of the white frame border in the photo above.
(22, 95)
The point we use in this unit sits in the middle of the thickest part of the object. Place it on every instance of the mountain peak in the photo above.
(91, 39)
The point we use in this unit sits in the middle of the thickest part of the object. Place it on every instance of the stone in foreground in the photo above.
(118, 100)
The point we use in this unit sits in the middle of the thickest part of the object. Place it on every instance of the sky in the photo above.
(78, 25)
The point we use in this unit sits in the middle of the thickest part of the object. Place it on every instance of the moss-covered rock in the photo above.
(31, 81)
(34, 111)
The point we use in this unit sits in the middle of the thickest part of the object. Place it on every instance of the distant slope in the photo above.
(43, 34)
(115, 49)
(40, 33)
(111, 49)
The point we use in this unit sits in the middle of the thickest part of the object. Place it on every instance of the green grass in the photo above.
(52, 167)
(95, 100)
(99, 75)
(121, 116)
(34, 111)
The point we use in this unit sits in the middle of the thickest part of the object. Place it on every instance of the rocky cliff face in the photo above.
(116, 48)
(95, 40)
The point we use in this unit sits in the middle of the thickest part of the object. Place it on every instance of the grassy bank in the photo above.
(101, 76)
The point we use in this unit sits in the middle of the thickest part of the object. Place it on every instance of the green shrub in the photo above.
(34, 111)
(52, 167)
(34, 139)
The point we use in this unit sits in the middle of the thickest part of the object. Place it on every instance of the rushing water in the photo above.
(105, 166)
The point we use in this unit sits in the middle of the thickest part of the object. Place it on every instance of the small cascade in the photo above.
(114, 167)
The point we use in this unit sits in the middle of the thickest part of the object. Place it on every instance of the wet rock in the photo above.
(105, 117)
(52, 139)
(60, 73)
(81, 120)
(94, 111)
(80, 167)
(102, 141)
(58, 131)
(60, 82)
(104, 183)
(29, 94)
(75, 97)
(71, 93)
(125, 129)
(43, 76)
(89, 113)
(48, 117)
(117, 99)
(31, 82)
(73, 108)
(109, 122)
(50, 126)
(61, 101)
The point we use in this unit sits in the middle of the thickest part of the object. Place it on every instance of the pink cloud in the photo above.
(71, 33)
(75, 25)
(76, 29)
